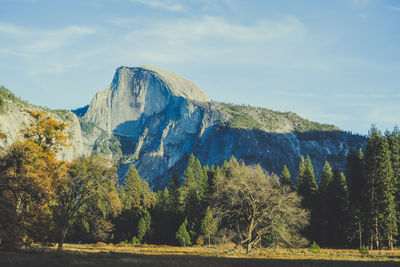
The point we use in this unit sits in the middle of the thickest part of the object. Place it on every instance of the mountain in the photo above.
(154, 119)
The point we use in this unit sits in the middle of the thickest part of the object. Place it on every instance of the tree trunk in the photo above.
(377, 233)
(360, 233)
(209, 239)
(61, 240)
(390, 240)
(63, 233)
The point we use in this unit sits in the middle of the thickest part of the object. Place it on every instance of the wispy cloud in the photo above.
(394, 8)
(11, 29)
(162, 4)
(57, 39)
(33, 41)
(14, 53)
(208, 39)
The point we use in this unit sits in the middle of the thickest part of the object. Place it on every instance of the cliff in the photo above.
(154, 119)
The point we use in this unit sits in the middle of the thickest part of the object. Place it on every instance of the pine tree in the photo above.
(394, 142)
(322, 209)
(357, 196)
(132, 189)
(307, 189)
(208, 225)
(175, 194)
(385, 190)
(144, 225)
(306, 184)
(285, 177)
(326, 179)
(338, 208)
(372, 164)
(182, 236)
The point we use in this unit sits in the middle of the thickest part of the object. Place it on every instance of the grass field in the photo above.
(152, 255)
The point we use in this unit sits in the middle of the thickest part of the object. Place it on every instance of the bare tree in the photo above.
(253, 206)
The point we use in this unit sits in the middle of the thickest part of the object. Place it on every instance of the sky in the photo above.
(335, 62)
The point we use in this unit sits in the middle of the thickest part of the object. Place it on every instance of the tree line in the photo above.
(360, 206)
(46, 200)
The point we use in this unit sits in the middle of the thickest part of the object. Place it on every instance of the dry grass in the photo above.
(102, 254)
(229, 251)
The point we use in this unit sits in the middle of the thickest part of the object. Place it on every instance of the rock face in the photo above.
(139, 92)
(14, 119)
(158, 118)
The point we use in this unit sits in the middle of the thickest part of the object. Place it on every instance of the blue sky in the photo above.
(329, 61)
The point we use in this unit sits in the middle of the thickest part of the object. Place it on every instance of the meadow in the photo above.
(102, 254)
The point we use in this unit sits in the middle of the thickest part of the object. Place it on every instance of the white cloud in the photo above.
(11, 29)
(30, 41)
(394, 8)
(162, 4)
(211, 38)
(57, 38)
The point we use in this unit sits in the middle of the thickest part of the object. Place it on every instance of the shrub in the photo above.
(200, 240)
(364, 251)
(135, 241)
(314, 248)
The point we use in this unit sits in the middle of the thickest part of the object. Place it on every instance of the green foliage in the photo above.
(7, 95)
(337, 207)
(144, 225)
(105, 145)
(135, 193)
(306, 184)
(86, 194)
(208, 225)
(247, 117)
(364, 251)
(182, 236)
(87, 126)
(314, 248)
(285, 177)
(134, 241)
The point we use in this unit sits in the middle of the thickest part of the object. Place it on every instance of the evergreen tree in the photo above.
(208, 225)
(326, 179)
(136, 197)
(357, 197)
(322, 210)
(175, 194)
(385, 190)
(144, 225)
(337, 208)
(307, 189)
(306, 184)
(131, 192)
(372, 164)
(285, 177)
(189, 173)
(394, 142)
(182, 236)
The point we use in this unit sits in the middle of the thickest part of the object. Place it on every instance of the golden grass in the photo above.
(228, 252)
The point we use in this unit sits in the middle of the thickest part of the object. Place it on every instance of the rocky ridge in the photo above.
(159, 118)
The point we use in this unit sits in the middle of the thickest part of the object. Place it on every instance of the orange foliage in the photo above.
(28, 171)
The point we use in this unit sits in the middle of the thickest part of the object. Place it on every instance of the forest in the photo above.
(46, 200)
